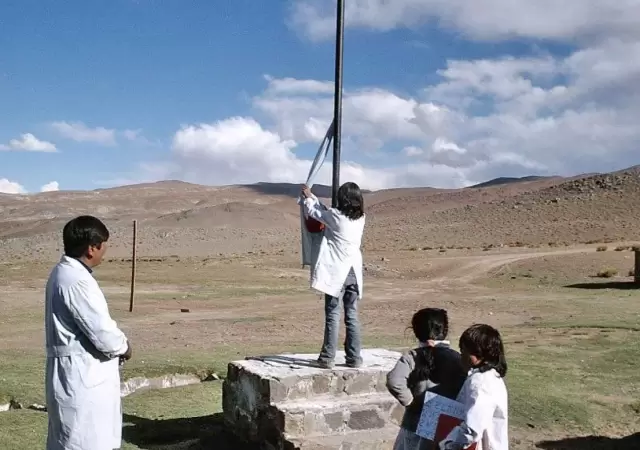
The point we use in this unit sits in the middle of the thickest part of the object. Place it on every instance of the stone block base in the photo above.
(287, 402)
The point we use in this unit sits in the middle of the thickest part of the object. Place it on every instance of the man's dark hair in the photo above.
(350, 201)
(485, 342)
(81, 233)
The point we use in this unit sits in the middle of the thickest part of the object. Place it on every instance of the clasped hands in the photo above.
(127, 355)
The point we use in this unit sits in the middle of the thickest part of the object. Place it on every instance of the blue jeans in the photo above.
(352, 343)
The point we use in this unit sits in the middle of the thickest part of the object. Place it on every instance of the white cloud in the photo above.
(492, 117)
(449, 154)
(502, 117)
(137, 137)
(412, 150)
(50, 187)
(29, 143)
(467, 84)
(79, 132)
(239, 150)
(375, 118)
(570, 20)
(132, 135)
(295, 86)
(482, 118)
(370, 112)
(11, 187)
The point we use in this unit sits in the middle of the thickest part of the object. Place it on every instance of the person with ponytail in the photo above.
(484, 394)
(433, 366)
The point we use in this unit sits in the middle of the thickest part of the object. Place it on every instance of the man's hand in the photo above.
(127, 355)
(306, 192)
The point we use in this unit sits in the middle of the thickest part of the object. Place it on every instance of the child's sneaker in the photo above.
(355, 364)
(324, 364)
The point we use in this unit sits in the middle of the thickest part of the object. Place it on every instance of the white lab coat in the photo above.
(339, 251)
(484, 395)
(82, 371)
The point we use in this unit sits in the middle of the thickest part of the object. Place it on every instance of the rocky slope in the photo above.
(177, 218)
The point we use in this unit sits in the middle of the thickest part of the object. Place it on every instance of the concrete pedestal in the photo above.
(287, 402)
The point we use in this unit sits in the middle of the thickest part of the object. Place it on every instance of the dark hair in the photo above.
(484, 342)
(428, 324)
(81, 233)
(350, 201)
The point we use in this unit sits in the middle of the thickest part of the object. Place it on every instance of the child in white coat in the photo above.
(337, 271)
(484, 393)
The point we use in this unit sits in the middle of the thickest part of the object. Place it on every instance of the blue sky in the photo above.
(96, 94)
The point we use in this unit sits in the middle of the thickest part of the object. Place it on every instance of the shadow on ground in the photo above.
(620, 285)
(593, 443)
(196, 433)
(285, 360)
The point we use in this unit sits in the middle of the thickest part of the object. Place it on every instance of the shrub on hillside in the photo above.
(607, 273)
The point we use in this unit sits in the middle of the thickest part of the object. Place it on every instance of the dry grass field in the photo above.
(522, 257)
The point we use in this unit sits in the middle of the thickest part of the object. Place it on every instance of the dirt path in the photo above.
(473, 267)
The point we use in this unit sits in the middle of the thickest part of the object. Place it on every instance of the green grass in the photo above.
(150, 416)
(571, 370)
(188, 401)
(22, 376)
(565, 380)
(575, 382)
(23, 430)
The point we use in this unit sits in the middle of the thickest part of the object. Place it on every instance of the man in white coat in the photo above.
(84, 347)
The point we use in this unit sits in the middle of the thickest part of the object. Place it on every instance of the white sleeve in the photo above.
(90, 312)
(480, 407)
(316, 210)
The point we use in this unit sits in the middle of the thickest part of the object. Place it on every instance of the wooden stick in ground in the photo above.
(636, 273)
(133, 265)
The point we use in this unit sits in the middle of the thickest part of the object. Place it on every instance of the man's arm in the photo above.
(89, 310)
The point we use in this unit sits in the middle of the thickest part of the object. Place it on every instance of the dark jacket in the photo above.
(446, 379)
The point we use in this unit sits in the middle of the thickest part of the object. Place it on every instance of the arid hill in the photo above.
(507, 180)
(178, 218)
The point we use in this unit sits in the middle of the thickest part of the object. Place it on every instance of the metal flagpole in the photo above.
(337, 107)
